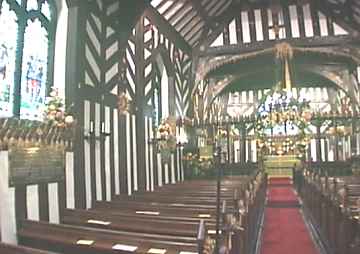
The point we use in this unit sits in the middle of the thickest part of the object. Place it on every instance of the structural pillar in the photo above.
(74, 79)
(140, 104)
(243, 144)
(318, 142)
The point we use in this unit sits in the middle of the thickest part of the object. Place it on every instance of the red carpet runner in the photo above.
(285, 231)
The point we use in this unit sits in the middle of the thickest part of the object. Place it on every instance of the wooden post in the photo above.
(74, 79)
(318, 142)
(140, 103)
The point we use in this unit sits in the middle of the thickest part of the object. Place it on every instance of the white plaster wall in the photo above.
(7, 205)
(60, 47)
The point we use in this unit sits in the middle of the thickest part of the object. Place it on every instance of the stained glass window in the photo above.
(45, 9)
(8, 39)
(34, 69)
(27, 32)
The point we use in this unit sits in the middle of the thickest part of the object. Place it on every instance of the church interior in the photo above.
(180, 126)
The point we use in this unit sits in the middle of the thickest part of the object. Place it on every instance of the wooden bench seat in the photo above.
(17, 249)
(168, 218)
(140, 224)
(145, 209)
(332, 204)
(166, 201)
(74, 239)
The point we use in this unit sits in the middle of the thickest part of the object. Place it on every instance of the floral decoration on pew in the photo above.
(198, 166)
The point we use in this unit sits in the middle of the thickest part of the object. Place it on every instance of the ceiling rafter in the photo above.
(308, 42)
(202, 13)
(180, 11)
(157, 19)
(221, 21)
(169, 8)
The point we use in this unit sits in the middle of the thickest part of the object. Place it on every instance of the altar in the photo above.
(280, 165)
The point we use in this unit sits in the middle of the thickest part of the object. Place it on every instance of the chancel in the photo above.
(180, 126)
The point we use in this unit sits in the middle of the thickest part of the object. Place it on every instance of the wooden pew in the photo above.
(140, 224)
(70, 239)
(17, 249)
(331, 203)
(171, 224)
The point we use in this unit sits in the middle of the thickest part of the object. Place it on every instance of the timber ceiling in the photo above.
(194, 20)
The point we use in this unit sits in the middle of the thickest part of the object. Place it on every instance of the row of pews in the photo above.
(178, 218)
(333, 204)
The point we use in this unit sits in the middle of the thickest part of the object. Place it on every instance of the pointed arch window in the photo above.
(27, 34)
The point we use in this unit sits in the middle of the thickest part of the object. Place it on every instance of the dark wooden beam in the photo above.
(341, 14)
(296, 42)
(74, 79)
(315, 18)
(196, 4)
(140, 105)
(222, 21)
(180, 13)
(124, 20)
(300, 16)
(165, 28)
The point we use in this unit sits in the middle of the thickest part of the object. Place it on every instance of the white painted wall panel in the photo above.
(53, 195)
(32, 202)
(69, 174)
(7, 208)
(128, 155)
(159, 170)
(116, 152)
(151, 134)
(107, 155)
(135, 169)
(166, 171)
(87, 157)
(98, 154)
(173, 169)
(147, 173)
(232, 32)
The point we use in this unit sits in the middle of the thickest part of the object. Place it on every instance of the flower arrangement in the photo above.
(280, 110)
(55, 112)
(166, 137)
(198, 165)
(123, 103)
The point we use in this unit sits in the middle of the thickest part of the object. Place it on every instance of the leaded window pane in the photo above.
(34, 71)
(32, 5)
(45, 9)
(8, 43)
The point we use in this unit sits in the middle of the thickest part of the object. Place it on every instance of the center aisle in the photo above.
(285, 231)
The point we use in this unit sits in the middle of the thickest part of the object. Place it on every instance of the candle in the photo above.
(91, 126)
(103, 127)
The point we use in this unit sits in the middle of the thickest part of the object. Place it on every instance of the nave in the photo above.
(154, 223)
(182, 218)
(285, 230)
